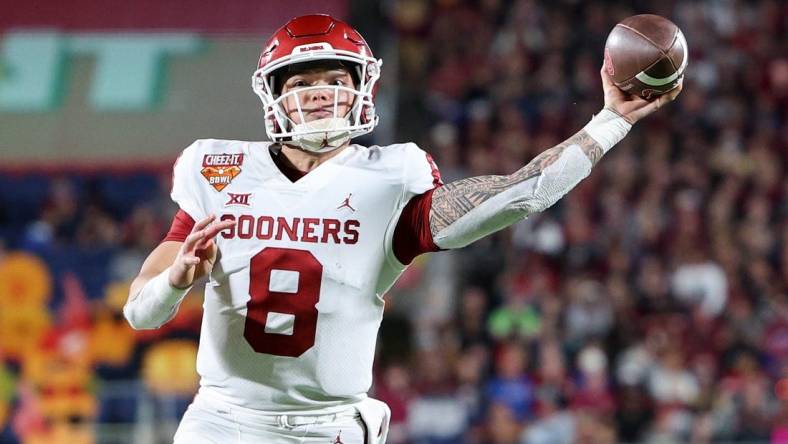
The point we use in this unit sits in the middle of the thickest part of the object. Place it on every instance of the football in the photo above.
(646, 55)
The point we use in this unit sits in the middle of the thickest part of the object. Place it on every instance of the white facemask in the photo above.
(326, 134)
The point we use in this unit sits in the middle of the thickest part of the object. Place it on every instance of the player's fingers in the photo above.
(218, 227)
(207, 234)
(203, 223)
(189, 260)
(184, 262)
(672, 94)
(651, 106)
(668, 97)
(203, 245)
(660, 101)
(206, 231)
(191, 240)
(606, 80)
(198, 232)
(614, 97)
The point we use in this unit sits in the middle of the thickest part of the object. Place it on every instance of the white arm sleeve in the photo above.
(156, 303)
(536, 194)
(516, 203)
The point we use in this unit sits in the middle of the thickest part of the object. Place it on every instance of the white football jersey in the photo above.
(295, 300)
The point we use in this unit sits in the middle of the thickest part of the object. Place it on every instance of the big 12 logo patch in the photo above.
(221, 169)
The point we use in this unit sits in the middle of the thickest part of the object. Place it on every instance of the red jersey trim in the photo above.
(436, 174)
(182, 225)
(413, 236)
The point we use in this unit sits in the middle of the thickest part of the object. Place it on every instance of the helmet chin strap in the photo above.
(327, 138)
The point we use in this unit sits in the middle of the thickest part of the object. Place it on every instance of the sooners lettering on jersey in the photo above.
(296, 296)
(308, 229)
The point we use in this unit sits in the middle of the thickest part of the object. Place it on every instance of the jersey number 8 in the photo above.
(300, 303)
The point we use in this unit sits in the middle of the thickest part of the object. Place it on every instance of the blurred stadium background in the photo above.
(650, 305)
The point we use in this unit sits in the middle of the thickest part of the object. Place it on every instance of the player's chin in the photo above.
(319, 115)
(310, 117)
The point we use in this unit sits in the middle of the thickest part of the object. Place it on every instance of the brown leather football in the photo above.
(646, 55)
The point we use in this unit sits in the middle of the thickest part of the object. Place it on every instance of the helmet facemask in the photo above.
(328, 133)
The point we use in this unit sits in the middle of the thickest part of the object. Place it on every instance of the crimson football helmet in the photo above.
(317, 38)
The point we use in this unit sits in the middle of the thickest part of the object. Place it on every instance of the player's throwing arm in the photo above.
(469, 209)
(168, 274)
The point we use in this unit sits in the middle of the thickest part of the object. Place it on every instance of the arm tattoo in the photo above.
(453, 200)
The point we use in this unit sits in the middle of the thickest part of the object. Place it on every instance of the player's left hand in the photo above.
(633, 108)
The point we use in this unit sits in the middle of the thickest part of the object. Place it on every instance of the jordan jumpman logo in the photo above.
(346, 203)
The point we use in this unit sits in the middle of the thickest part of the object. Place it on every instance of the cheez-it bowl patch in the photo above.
(221, 169)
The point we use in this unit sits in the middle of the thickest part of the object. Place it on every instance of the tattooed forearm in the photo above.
(590, 147)
(453, 200)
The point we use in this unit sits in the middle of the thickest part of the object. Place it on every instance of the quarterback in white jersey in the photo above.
(302, 236)
(295, 298)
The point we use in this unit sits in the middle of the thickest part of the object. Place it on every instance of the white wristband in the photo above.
(155, 304)
(607, 128)
(160, 285)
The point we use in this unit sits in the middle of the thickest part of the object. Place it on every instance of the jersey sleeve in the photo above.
(412, 235)
(421, 172)
(185, 182)
(180, 228)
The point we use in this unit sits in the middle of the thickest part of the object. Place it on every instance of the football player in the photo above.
(302, 236)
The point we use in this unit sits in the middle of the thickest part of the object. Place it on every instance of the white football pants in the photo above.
(211, 421)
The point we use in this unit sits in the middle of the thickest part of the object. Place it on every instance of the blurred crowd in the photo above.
(68, 359)
(649, 305)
